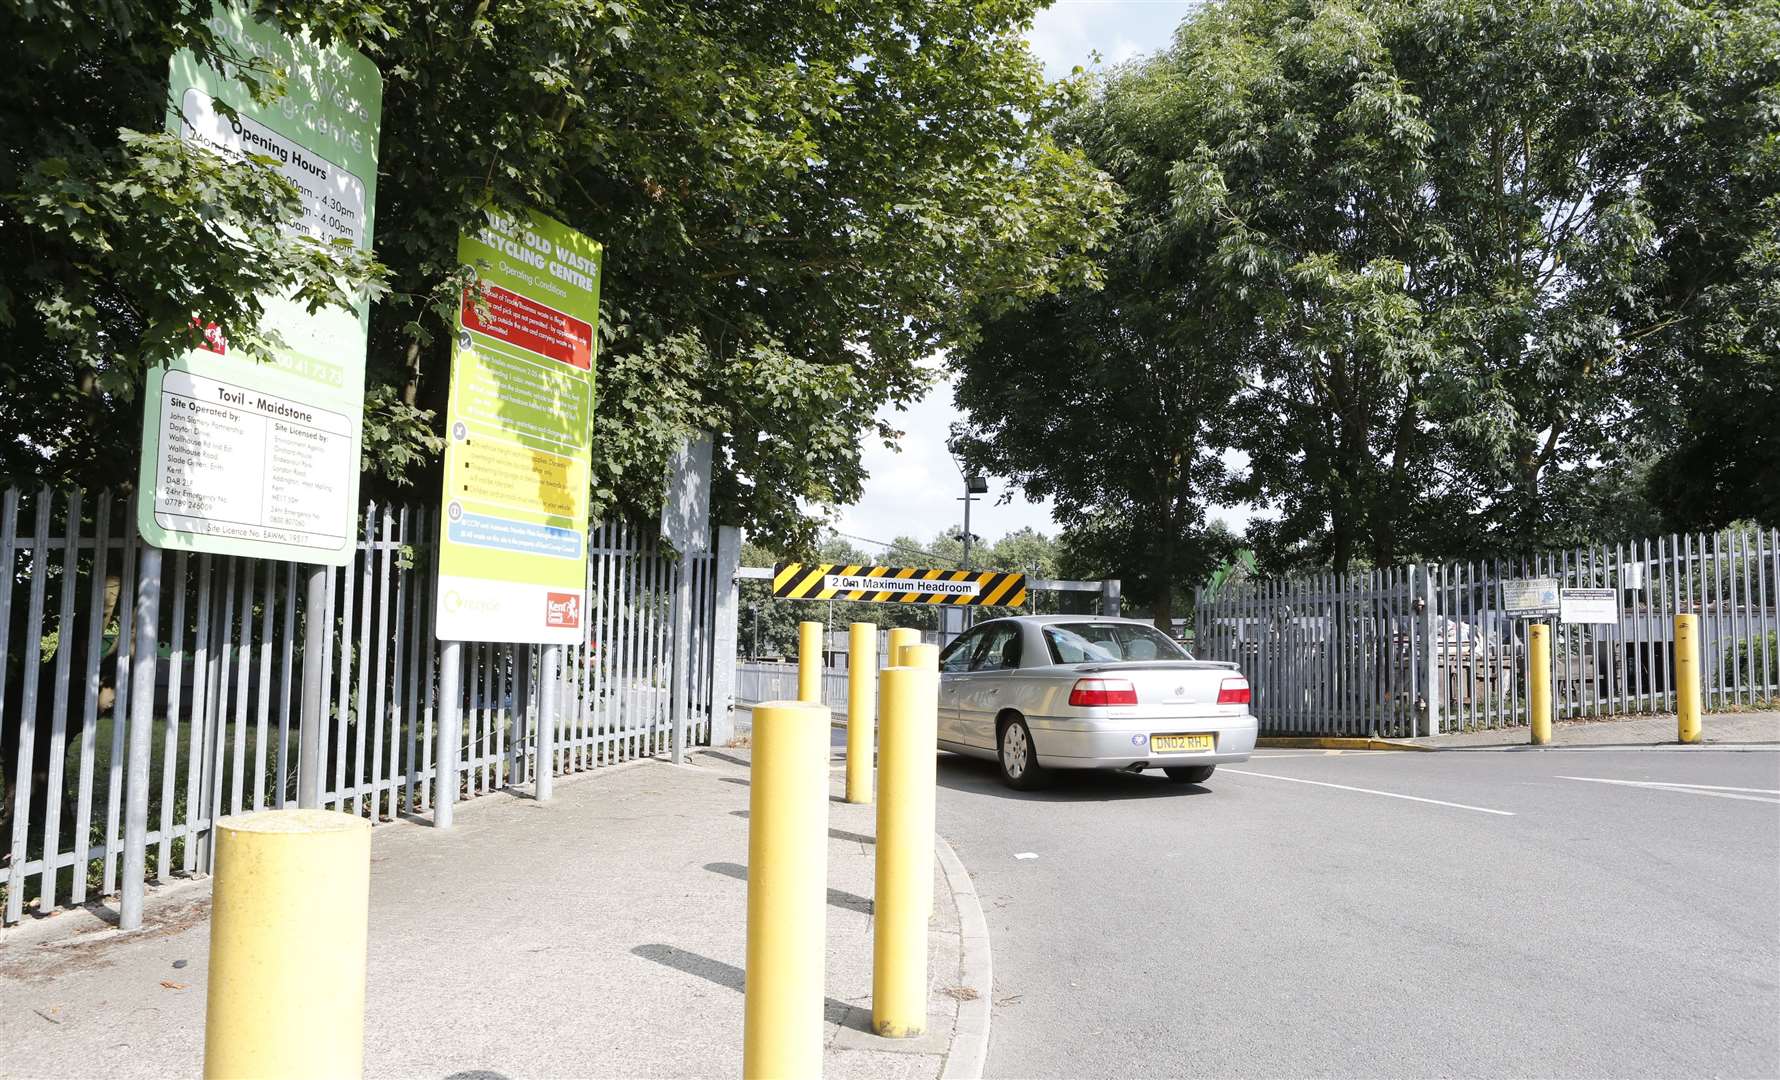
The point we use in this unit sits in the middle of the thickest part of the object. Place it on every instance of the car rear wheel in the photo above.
(1019, 761)
(1189, 774)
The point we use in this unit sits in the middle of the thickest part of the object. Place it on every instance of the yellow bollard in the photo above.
(926, 657)
(809, 662)
(288, 922)
(862, 709)
(919, 655)
(1687, 678)
(909, 707)
(787, 892)
(1539, 693)
(900, 636)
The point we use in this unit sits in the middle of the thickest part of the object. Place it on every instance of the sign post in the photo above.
(686, 524)
(261, 459)
(518, 456)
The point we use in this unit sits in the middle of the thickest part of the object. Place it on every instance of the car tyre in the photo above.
(1018, 759)
(1189, 774)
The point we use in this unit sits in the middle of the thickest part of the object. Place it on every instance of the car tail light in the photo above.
(1233, 691)
(1091, 692)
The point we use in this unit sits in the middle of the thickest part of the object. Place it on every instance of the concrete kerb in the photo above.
(1285, 742)
(1293, 743)
(969, 1051)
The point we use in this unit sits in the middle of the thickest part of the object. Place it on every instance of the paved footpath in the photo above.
(1722, 730)
(600, 934)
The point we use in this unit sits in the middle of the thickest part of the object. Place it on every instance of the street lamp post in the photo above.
(974, 484)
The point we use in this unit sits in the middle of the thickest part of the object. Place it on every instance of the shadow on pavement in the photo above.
(730, 976)
(835, 834)
(981, 777)
(836, 898)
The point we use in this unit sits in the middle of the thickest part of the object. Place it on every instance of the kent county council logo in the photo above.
(562, 609)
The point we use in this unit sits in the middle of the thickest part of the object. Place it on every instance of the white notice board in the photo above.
(1588, 606)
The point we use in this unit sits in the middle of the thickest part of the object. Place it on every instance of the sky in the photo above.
(901, 491)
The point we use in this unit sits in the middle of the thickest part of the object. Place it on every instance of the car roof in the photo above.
(1040, 620)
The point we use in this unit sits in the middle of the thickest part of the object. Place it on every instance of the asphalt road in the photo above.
(1265, 926)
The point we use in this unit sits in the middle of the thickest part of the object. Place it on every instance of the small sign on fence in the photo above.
(1522, 597)
(1598, 606)
(686, 513)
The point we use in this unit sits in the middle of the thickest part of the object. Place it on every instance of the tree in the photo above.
(798, 202)
(1462, 225)
(1115, 402)
(1450, 274)
(117, 233)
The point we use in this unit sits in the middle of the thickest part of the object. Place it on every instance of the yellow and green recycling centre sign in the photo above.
(241, 457)
(519, 431)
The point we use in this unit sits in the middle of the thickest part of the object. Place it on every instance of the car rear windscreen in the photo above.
(1092, 643)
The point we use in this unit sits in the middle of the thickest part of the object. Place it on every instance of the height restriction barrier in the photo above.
(897, 585)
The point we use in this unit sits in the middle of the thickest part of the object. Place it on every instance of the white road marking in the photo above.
(1713, 790)
(1025, 854)
(1371, 791)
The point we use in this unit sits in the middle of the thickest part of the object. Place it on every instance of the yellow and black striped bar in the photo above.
(897, 585)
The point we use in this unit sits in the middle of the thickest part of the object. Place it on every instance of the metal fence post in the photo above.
(724, 634)
(1429, 660)
(1109, 596)
(141, 736)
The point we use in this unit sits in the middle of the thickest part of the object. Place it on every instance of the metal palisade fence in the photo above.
(758, 682)
(1426, 649)
(226, 717)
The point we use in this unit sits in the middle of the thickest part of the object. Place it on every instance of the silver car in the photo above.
(1042, 692)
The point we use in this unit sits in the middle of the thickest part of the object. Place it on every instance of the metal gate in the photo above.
(1427, 649)
(1333, 654)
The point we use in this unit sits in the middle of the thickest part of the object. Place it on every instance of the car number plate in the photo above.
(1174, 744)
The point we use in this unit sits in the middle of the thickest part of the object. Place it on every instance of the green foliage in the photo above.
(799, 203)
(1752, 659)
(117, 234)
(1457, 275)
(398, 439)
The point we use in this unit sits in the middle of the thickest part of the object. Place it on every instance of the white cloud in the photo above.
(1066, 33)
(914, 489)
